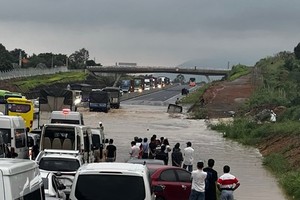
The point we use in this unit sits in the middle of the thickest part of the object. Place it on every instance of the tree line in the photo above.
(18, 58)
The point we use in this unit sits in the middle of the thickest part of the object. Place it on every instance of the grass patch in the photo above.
(29, 83)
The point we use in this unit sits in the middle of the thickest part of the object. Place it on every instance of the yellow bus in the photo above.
(21, 107)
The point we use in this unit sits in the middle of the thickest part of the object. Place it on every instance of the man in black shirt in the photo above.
(111, 151)
(152, 148)
(211, 180)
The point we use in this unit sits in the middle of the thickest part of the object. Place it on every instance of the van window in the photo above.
(20, 138)
(38, 194)
(57, 164)
(5, 133)
(96, 141)
(113, 187)
(65, 121)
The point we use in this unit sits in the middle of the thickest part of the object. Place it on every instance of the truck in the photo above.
(147, 83)
(126, 86)
(114, 95)
(99, 100)
(138, 84)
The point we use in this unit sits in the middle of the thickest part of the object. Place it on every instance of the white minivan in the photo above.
(14, 135)
(66, 116)
(113, 181)
(20, 179)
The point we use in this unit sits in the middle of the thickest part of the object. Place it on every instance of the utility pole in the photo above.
(20, 58)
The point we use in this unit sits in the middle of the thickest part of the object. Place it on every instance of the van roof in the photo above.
(10, 166)
(6, 121)
(65, 125)
(120, 168)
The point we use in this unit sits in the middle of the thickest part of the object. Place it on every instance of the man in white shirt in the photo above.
(198, 183)
(135, 150)
(188, 157)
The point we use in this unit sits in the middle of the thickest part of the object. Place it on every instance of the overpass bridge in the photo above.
(147, 69)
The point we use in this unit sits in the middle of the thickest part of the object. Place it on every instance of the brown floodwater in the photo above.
(129, 121)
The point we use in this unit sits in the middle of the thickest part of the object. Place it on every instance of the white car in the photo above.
(63, 163)
(53, 186)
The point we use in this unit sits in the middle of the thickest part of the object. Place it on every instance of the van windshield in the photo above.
(112, 187)
(57, 164)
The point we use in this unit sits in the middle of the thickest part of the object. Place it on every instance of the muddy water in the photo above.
(143, 121)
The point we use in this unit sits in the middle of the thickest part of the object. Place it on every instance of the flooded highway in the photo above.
(129, 121)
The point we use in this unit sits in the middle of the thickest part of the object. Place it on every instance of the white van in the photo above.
(66, 116)
(20, 179)
(14, 135)
(113, 181)
(68, 137)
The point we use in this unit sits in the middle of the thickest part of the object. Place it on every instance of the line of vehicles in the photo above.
(138, 84)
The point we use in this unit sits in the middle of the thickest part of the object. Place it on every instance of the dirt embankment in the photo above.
(224, 97)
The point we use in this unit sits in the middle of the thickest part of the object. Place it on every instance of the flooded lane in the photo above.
(143, 121)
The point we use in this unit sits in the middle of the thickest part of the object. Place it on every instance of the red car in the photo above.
(175, 181)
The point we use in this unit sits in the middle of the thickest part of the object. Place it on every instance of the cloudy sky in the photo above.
(156, 32)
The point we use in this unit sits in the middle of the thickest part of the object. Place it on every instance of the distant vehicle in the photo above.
(99, 100)
(147, 83)
(146, 161)
(114, 181)
(114, 95)
(138, 84)
(192, 82)
(126, 86)
(77, 99)
(63, 163)
(53, 187)
(16, 106)
(14, 135)
(68, 137)
(66, 116)
(153, 82)
(176, 181)
(162, 81)
(20, 179)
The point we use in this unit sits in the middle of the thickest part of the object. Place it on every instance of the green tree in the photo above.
(15, 54)
(297, 51)
(5, 59)
(78, 59)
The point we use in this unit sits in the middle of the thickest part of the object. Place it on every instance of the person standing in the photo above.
(176, 155)
(111, 152)
(188, 157)
(152, 147)
(198, 177)
(134, 151)
(227, 183)
(145, 148)
(211, 180)
(167, 149)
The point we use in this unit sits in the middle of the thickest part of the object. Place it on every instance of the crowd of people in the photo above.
(205, 180)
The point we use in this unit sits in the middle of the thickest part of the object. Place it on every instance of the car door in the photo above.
(171, 187)
(184, 179)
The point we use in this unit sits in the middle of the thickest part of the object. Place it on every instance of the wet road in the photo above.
(145, 120)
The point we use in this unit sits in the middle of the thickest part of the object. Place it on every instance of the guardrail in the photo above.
(19, 73)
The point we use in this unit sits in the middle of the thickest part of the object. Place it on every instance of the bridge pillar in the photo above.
(208, 79)
(117, 78)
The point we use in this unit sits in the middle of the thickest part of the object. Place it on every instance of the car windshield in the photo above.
(112, 187)
(59, 164)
